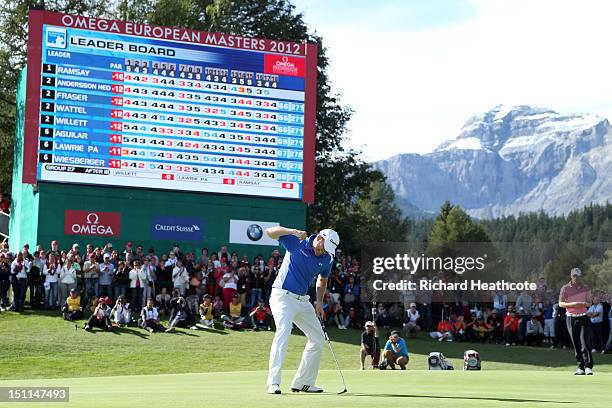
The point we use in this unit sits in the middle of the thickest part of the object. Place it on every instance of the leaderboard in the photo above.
(128, 110)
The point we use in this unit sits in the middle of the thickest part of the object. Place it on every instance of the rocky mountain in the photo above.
(508, 160)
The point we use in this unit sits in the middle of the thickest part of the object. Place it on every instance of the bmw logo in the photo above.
(254, 232)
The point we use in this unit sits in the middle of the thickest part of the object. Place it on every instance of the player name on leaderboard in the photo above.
(124, 110)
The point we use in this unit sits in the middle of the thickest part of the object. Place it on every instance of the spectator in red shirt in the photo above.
(260, 316)
(444, 331)
(511, 326)
(5, 204)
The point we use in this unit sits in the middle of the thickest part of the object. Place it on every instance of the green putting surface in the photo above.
(365, 389)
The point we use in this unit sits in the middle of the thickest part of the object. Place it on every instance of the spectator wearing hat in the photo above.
(72, 309)
(370, 345)
(261, 316)
(149, 318)
(128, 253)
(411, 327)
(99, 318)
(576, 297)
(234, 319)
(395, 352)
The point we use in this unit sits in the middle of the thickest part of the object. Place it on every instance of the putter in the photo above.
(334, 355)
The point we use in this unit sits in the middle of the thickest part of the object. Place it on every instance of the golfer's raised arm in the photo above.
(278, 231)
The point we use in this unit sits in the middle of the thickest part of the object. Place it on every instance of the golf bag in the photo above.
(471, 360)
(437, 361)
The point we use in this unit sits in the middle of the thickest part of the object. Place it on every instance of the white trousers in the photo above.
(287, 310)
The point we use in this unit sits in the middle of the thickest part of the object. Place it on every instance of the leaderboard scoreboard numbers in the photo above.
(135, 111)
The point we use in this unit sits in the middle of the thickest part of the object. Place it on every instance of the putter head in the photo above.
(342, 392)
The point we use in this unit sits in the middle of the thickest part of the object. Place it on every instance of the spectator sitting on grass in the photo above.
(149, 317)
(396, 352)
(481, 330)
(163, 301)
(383, 320)
(459, 328)
(534, 333)
(444, 331)
(72, 309)
(178, 317)
(192, 307)
(352, 319)
(121, 313)
(370, 345)
(497, 327)
(511, 327)
(207, 316)
(99, 318)
(234, 320)
(411, 327)
(261, 316)
(218, 305)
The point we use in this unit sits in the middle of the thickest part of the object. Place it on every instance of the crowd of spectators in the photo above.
(118, 286)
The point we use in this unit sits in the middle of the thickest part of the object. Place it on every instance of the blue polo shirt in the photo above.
(401, 343)
(301, 265)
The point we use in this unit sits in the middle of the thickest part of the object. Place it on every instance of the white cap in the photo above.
(331, 240)
(576, 272)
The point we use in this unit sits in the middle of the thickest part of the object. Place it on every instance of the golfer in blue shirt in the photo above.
(306, 258)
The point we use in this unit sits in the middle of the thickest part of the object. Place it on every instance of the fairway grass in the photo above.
(366, 389)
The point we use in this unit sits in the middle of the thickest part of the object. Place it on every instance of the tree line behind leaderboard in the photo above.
(236, 284)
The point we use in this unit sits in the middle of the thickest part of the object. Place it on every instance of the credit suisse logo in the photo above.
(92, 223)
(284, 65)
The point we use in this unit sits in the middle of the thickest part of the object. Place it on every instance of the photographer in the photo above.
(149, 317)
(178, 316)
(260, 316)
(121, 279)
(121, 313)
(99, 318)
(370, 345)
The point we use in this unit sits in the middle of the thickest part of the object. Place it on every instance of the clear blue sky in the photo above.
(439, 62)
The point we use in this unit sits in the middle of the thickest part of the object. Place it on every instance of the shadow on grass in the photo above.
(458, 397)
